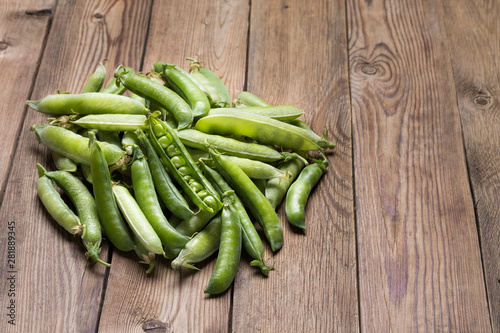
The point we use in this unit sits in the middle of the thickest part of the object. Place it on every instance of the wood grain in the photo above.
(313, 287)
(57, 290)
(23, 26)
(419, 260)
(475, 68)
(215, 33)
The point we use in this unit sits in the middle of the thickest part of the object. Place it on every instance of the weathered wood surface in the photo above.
(476, 74)
(397, 238)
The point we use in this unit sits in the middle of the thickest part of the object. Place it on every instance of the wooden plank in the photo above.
(214, 32)
(23, 26)
(56, 289)
(419, 259)
(297, 55)
(475, 68)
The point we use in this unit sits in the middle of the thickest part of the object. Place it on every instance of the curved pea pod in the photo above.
(259, 206)
(109, 215)
(249, 99)
(201, 246)
(63, 163)
(154, 90)
(182, 167)
(112, 122)
(276, 189)
(86, 209)
(147, 199)
(278, 112)
(96, 80)
(87, 103)
(322, 141)
(183, 84)
(263, 129)
(251, 240)
(137, 221)
(197, 139)
(299, 191)
(72, 145)
(229, 254)
(114, 87)
(167, 191)
(55, 205)
(212, 85)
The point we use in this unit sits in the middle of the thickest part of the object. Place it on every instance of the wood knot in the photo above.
(155, 326)
(39, 12)
(369, 70)
(98, 16)
(482, 100)
(3, 45)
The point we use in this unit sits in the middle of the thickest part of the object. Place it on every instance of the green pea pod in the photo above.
(249, 99)
(63, 163)
(276, 189)
(251, 240)
(167, 191)
(147, 199)
(278, 112)
(182, 167)
(87, 103)
(86, 210)
(197, 139)
(201, 246)
(195, 223)
(55, 205)
(111, 137)
(229, 254)
(263, 129)
(259, 206)
(296, 198)
(182, 84)
(96, 80)
(154, 90)
(112, 122)
(114, 87)
(137, 221)
(147, 258)
(213, 87)
(110, 217)
(322, 141)
(72, 145)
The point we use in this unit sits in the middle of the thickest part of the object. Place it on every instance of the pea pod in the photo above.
(299, 191)
(137, 221)
(183, 84)
(147, 258)
(114, 87)
(154, 90)
(86, 210)
(147, 199)
(201, 246)
(72, 145)
(112, 122)
(63, 163)
(263, 129)
(229, 254)
(278, 112)
(96, 80)
(167, 191)
(109, 215)
(55, 205)
(182, 167)
(249, 99)
(87, 103)
(251, 240)
(259, 206)
(214, 88)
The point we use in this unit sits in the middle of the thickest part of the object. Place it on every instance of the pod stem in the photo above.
(92, 253)
(263, 267)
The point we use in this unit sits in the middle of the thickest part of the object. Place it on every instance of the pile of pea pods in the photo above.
(165, 163)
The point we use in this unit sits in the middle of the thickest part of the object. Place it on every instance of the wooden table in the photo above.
(403, 229)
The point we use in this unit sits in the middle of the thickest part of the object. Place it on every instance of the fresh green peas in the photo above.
(86, 210)
(96, 80)
(147, 258)
(72, 145)
(87, 103)
(55, 205)
(249, 99)
(259, 206)
(112, 122)
(146, 197)
(296, 198)
(201, 246)
(154, 90)
(167, 191)
(114, 87)
(109, 214)
(278, 112)
(63, 163)
(188, 169)
(276, 189)
(211, 84)
(229, 254)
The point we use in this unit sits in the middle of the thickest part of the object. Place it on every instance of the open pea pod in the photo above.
(182, 167)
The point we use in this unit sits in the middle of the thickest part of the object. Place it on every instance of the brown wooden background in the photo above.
(404, 228)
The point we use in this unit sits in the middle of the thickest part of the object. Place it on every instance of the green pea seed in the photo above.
(172, 150)
(165, 141)
(202, 194)
(159, 130)
(196, 186)
(178, 161)
(210, 201)
(184, 171)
